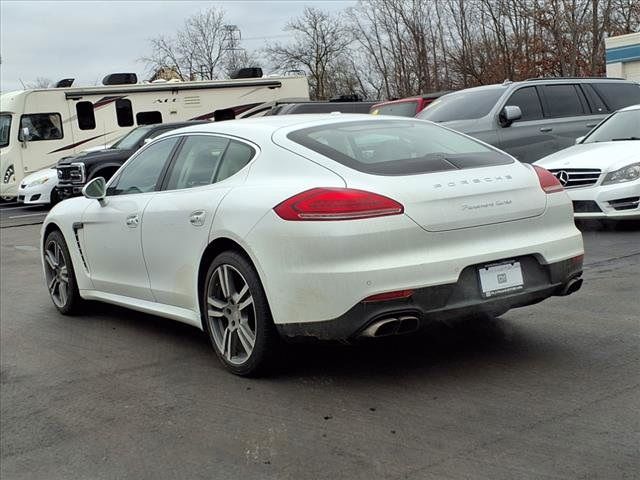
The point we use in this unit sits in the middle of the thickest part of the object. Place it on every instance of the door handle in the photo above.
(591, 125)
(133, 220)
(197, 218)
(546, 129)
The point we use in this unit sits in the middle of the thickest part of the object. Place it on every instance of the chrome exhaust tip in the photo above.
(572, 286)
(391, 326)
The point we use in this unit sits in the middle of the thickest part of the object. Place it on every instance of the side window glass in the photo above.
(148, 118)
(197, 162)
(528, 101)
(597, 105)
(124, 112)
(562, 101)
(42, 126)
(238, 154)
(618, 95)
(143, 172)
(86, 117)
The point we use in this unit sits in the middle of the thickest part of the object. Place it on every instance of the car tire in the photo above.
(237, 317)
(59, 274)
(54, 198)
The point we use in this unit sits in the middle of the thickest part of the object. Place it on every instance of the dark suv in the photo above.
(75, 171)
(533, 118)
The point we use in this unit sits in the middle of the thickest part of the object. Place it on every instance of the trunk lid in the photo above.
(466, 198)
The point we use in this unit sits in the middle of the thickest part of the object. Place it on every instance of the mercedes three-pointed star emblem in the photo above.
(563, 177)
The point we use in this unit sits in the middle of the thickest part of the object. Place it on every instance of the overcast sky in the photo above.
(86, 40)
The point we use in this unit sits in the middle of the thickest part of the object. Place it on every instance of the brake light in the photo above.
(383, 297)
(337, 204)
(548, 181)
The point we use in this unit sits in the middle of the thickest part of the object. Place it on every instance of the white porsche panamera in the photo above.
(330, 226)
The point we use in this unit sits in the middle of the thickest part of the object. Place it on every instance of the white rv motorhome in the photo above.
(38, 127)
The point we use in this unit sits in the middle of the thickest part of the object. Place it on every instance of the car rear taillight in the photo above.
(548, 181)
(337, 204)
(386, 296)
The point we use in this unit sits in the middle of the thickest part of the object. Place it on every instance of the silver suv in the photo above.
(533, 118)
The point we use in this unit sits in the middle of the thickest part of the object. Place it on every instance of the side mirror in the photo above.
(24, 136)
(579, 140)
(509, 114)
(96, 189)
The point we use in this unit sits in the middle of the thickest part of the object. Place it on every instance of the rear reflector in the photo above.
(383, 297)
(548, 181)
(336, 204)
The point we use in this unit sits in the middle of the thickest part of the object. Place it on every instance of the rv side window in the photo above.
(86, 117)
(148, 118)
(5, 128)
(124, 112)
(42, 126)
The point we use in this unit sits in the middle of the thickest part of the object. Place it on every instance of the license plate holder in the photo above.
(500, 278)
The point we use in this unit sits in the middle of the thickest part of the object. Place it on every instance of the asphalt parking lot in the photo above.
(548, 391)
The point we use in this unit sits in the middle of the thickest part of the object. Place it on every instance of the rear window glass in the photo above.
(402, 109)
(463, 105)
(311, 107)
(401, 147)
(618, 95)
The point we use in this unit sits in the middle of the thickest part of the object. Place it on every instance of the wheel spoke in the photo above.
(223, 275)
(52, 284)
(64, 275)
(246, 336)
(214, 302)
(245, 303)
(58, 254)
(214, 313)
(62, 292)
(226, 343)
(243, 291)
(50, 260)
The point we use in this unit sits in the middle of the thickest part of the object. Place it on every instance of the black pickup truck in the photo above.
(75, 171)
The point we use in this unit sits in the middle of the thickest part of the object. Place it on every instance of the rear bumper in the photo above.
(443, 302)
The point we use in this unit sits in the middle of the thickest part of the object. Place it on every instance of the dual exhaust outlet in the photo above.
(392, 326)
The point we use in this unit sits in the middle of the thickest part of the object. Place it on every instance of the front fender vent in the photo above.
(77, 226)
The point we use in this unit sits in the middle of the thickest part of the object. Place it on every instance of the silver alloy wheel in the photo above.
(231, 314)
(56, 273)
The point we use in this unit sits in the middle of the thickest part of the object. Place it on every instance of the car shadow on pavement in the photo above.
(607, 225)
(436, 345)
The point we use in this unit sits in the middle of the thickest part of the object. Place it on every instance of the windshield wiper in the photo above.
(622, 139)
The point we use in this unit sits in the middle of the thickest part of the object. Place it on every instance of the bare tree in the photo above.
(198, 50)
(320, 43)
(41, 82)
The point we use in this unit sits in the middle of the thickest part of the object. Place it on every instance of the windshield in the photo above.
(464, 105)
(5, 127)
(619, 126)
(131, 139)
(397, 147)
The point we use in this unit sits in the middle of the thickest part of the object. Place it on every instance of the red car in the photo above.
(405, 107)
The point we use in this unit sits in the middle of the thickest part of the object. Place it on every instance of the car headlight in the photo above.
(40, 181)
(625, 174)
